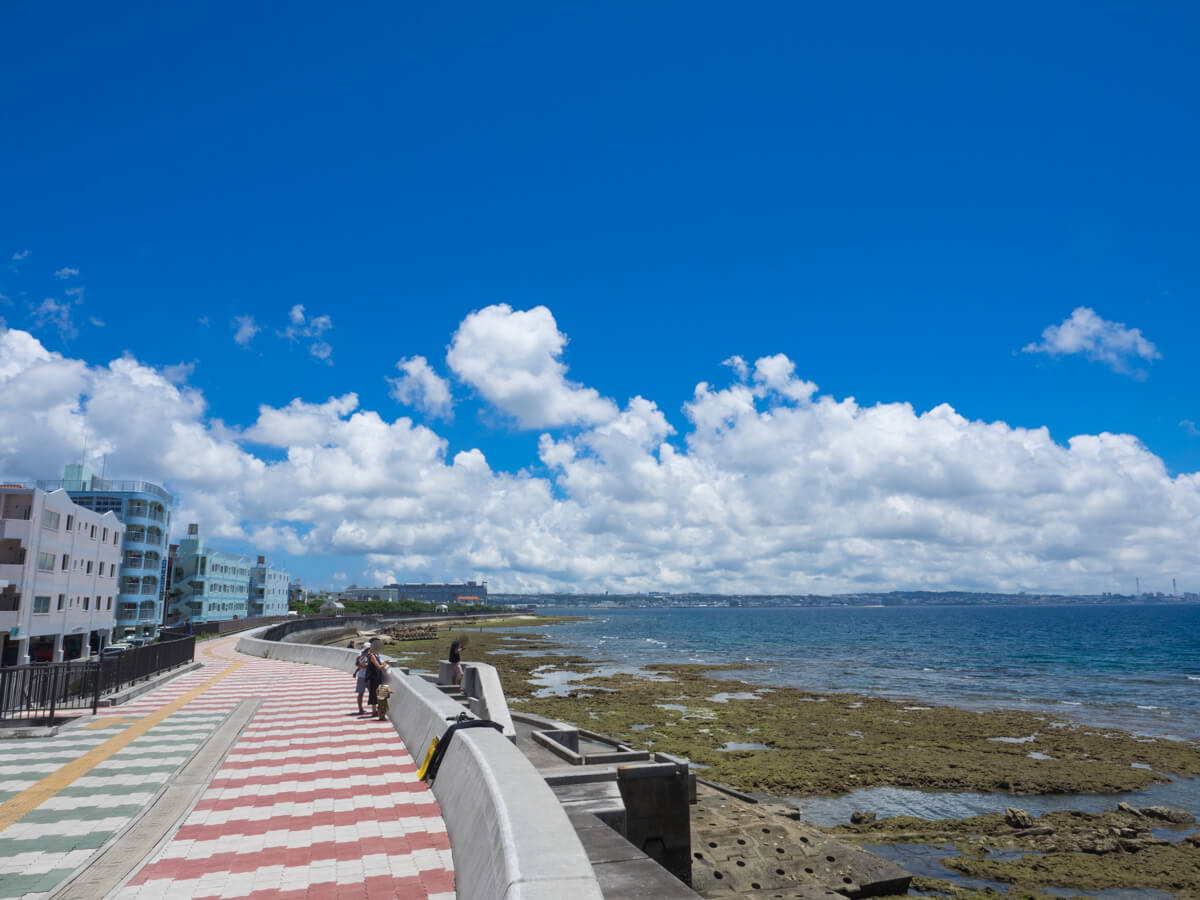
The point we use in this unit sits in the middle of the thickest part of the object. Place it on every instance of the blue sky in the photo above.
(898, 200)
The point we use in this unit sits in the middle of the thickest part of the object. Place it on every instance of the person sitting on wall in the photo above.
(456, 648)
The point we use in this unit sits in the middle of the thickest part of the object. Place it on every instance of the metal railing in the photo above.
(40, 691)
(123, 669)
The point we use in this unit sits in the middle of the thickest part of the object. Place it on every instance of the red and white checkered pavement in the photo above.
(313, 801)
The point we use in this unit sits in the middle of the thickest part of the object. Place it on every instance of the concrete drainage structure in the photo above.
(643, 796)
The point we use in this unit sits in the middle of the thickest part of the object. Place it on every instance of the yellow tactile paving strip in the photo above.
(15, 808)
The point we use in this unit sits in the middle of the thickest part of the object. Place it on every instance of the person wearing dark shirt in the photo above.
(456, 660)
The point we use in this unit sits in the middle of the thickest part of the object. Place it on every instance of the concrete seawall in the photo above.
(509, 835)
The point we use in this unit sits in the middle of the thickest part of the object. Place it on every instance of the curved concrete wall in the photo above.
(510, 838)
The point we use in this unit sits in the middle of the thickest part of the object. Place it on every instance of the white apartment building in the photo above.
(58, 576)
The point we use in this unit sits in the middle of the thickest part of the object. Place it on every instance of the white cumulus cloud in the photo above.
(420, 386)
(244, 330)
(1112, 343)
(769, 487)
(66, 272)
(513, 359)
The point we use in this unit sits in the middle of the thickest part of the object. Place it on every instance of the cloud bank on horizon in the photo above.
(773, 487)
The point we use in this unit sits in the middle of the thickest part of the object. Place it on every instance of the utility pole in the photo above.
(1139, 585)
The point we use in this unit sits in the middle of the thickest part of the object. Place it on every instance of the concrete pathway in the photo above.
(312, 800)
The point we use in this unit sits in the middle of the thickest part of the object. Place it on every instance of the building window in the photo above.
(89, 568)
(62, 598)
(87, 602)
(50, 520)
(65, 563)
(93, 534)
(70, 522)
(109, 603)
(46, 562)
(104, 539)
(41, 605)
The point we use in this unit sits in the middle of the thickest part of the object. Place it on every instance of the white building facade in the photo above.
(145, 509)
(58, 576)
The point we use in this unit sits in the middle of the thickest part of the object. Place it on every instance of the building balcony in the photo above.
(10, 599)
(101, 485)
(16, 507)
(12, 552)
(134, 561)
(15, 529)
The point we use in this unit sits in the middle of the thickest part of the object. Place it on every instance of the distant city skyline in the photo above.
(618, 298)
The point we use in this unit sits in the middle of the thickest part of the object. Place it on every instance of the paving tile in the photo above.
(299, 808)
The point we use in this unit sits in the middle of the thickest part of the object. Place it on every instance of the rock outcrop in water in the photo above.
(1066, 848)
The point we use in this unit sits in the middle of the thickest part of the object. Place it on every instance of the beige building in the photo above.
(58, 576)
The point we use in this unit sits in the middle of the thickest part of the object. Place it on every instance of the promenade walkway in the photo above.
(311, 801)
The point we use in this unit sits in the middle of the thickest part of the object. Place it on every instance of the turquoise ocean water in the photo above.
(1134, 667)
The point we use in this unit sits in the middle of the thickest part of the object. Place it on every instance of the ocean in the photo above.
(1132, 667)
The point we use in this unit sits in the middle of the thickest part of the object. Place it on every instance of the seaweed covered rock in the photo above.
(1166, 814)
(1017, 818)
